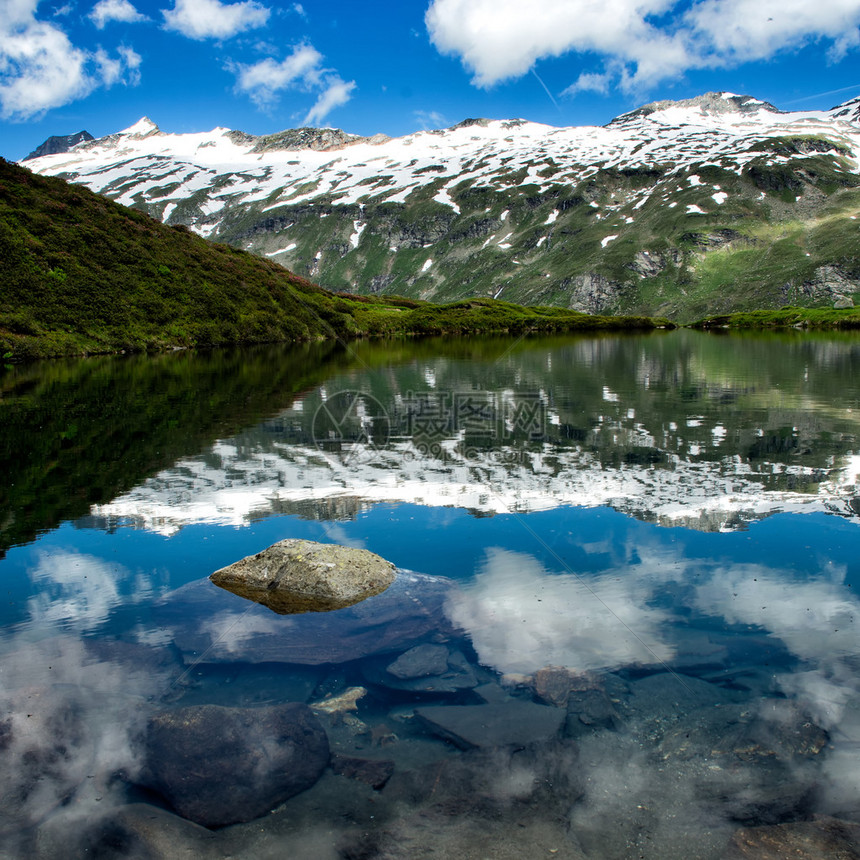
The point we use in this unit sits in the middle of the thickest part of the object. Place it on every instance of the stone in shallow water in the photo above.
(419, 661)
(217, 626)
(295, 576)
(822, 839)
(137, 831)
(455, 674)
(373, 772)
(493, 725)
(218, 766)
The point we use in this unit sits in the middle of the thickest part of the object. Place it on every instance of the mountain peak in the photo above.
(708, 104)
(57, 144)
(144, 127)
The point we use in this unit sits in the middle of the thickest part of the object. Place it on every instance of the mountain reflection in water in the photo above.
(624, 622)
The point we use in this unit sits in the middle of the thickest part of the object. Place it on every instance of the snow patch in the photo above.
(291, 247)
(605, 241)
(720, 197)
(358, 229)
(692, 209)
(551, 218)
(427, 264)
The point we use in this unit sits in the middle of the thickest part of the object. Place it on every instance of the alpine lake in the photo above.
(624, 622)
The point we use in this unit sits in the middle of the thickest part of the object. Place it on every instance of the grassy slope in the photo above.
(787, 317)
(778, 232)
(81, 274)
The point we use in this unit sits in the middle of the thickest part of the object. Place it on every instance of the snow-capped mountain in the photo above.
(655, 211)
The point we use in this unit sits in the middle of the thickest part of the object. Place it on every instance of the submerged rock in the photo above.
(346, 701)
(511, 723)
(138, 831)
(419, 661)
(203, 619)
(218, 766)
(423, 669)
(822, 839)
(373, 772)
(294, 576)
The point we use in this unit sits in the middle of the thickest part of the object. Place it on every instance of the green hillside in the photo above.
(81, 274)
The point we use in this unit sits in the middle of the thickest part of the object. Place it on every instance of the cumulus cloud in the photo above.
(263, 81)
(335, 94)
(114, 10)
(637, 42)
(41, 69)
(521, 618)
(302, 70)
(211, 19)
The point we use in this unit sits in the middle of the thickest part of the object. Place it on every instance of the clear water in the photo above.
(637, 556)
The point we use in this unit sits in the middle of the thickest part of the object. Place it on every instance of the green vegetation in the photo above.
(650, 241)
(787, 317)
(80, 274)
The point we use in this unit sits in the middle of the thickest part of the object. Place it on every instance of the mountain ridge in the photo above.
(655, 212)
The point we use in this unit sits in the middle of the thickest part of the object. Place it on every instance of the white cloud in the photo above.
(211, 19)
(638, 42)
(264, 80)
(41, 69)
(521, 618)
(594, 82)
(114, 10)
(303, 70)
(336, 93)
(430, 119)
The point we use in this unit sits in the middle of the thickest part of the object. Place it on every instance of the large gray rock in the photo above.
(218, 766)
(304, 576)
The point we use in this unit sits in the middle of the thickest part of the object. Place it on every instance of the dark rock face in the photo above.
(219, 766)
(59, 143)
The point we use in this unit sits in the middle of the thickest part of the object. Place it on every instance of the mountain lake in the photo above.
(624, 621)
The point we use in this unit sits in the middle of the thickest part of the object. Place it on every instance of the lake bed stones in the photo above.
(511, 723)
(426, 668)
(294, 576)
(219, 766)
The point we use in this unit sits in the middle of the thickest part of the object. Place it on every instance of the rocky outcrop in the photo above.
(707, 103)
(217, 766)
(59, 143)
(592, 293)
(320, 139)
(303, 576)
(648, 264)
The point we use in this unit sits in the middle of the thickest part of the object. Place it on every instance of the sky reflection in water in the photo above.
(698, 514)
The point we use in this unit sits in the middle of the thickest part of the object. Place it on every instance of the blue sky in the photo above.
(396, 66)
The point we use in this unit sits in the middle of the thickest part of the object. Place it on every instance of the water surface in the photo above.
(630, 561)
